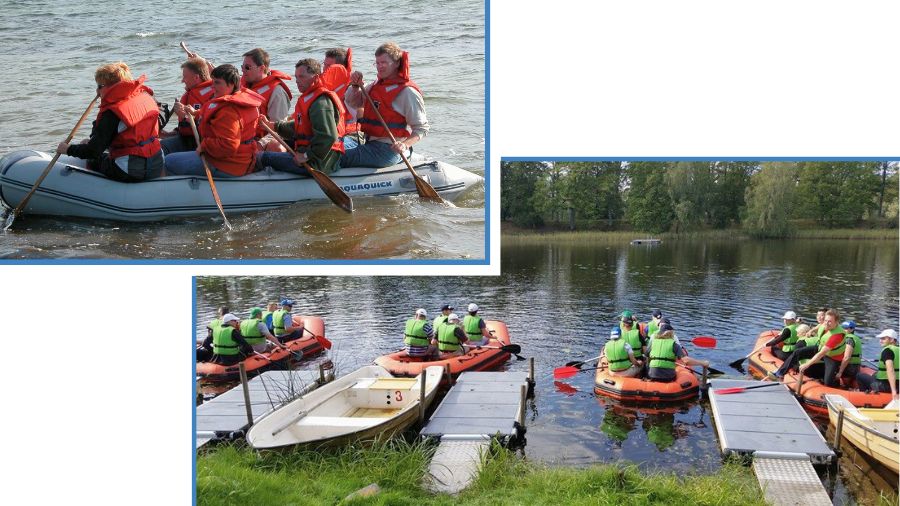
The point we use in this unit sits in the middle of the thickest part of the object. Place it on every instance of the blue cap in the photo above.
(615, 333)
(287, 302)
(849, 324)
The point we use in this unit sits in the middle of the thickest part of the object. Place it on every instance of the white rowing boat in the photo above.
(874, 431)
(364, 405)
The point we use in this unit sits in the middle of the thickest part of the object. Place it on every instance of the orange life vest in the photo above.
(337, 79)
(265, 88)
(195, 97)
(133, 104)
(247, 103)
(303, 126)
(383, 93)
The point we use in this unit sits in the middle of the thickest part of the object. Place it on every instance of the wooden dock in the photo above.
(225, 417)
(481, 406)
(769, 425)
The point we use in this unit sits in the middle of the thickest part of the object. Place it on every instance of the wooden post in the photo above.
(531, 370)
(321, 374)
(522, 399)
(449, 376)
(246, 387)
(705, 373)
(422, 399)
(838, 428)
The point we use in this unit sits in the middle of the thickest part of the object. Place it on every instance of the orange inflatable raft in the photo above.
(477, 359)
(685, 386)
(812, 391)
(307, 345)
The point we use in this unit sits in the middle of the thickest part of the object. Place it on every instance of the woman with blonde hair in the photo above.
(127, 125)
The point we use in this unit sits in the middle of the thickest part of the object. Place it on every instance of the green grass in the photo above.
(235, 475)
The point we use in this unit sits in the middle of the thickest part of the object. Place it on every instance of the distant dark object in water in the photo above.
(646, 241)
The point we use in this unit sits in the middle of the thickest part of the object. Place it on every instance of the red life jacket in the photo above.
(383, 93)
(133, 104)
(265, 87)
(195, 97)
(337, 79)
(303, 126)
(247, 103)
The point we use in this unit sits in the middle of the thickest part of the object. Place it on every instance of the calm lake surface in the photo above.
(560, 300)
(66, 41)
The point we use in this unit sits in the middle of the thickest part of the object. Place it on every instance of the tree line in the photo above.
(763, 198)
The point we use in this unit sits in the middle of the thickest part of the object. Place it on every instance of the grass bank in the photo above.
(525, 236)
(236, 475)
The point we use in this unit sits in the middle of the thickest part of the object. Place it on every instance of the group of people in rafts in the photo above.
(648, 350)
(833, 353)
(230, 340)
(446, 336)
(333, 123)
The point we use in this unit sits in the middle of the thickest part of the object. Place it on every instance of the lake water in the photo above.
(560, 300)
(63, 42)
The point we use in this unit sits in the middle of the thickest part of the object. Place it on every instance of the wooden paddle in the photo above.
(321, 339)
(21, 207)
(212, 184)
(424, 189)
(331, 189)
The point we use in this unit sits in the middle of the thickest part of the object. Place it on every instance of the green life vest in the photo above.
(820, 330)
(856, 358)
(616, 355)
(278, 321)
(415, 333)
(251, 333)
(653, 327)
(791, 342)
(447, 340)
(805, 341)
(662, 353)
(438, 321)
(882, 367)
(838, 350)
(470, 324)
(267, 317)
(633, 337)
(215, 324)
(223, 344)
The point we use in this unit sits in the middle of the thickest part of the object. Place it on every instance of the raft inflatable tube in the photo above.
(308, 345)
(484, 359)
(643, 390)
(70, 189)
(812, 391)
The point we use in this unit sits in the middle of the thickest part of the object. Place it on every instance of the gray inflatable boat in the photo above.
(72, 190)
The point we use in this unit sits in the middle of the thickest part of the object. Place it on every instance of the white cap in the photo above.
(790, 315)
(453, 317)
(888, 333)
(421, 312)
(472, 307)
(228, 318)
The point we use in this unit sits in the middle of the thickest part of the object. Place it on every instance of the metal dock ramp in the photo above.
(479, 407)
(770, 425)
(225, 417)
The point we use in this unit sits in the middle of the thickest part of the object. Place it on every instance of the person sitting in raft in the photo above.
(228, 345)
(831, 346)
(451, 338)
(257, 334)
(446, 309)
(227, 131)
(418, 335)
(316, 126)
(652, 326)
(283, 323)
(271, 307)
(198, 90)
(401, 105)
(631, 333)
(819, 328)
(127, 125)
(788, 336)
(620, 356)
(848, 371)
(271, 85)
(664, 353)
(216, 322)
(885, 380)
(336, 69)
(476, 330)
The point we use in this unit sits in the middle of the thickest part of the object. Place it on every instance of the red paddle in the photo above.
(737, 390)
(321, 339)
(704, 341)
(568, 372)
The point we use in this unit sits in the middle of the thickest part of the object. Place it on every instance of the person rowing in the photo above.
(336, 69)
(198, 90)
(418, 335)
(664, 353)
(257, 334)
(271, 85)
(620, 356)
(788, 336)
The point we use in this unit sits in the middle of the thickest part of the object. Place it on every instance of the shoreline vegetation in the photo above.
(235, 474)
(512, 234)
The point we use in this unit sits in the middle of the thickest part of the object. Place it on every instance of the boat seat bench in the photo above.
(339, 421)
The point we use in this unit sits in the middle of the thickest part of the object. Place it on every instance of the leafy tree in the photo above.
(690, 186)
(518, 181)
(593, 189)
(648, 206)
(770, 199)
(838, 193)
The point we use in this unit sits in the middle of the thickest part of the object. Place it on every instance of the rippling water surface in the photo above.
(52, 48)
(560, 302)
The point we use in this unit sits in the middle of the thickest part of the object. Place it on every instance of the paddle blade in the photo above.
(737, 364)
(332, 190)
(323, 341)
(704, 341)
(565, 372)
(512, 348)
(575, 363)
(714, 371)
(425, 190)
